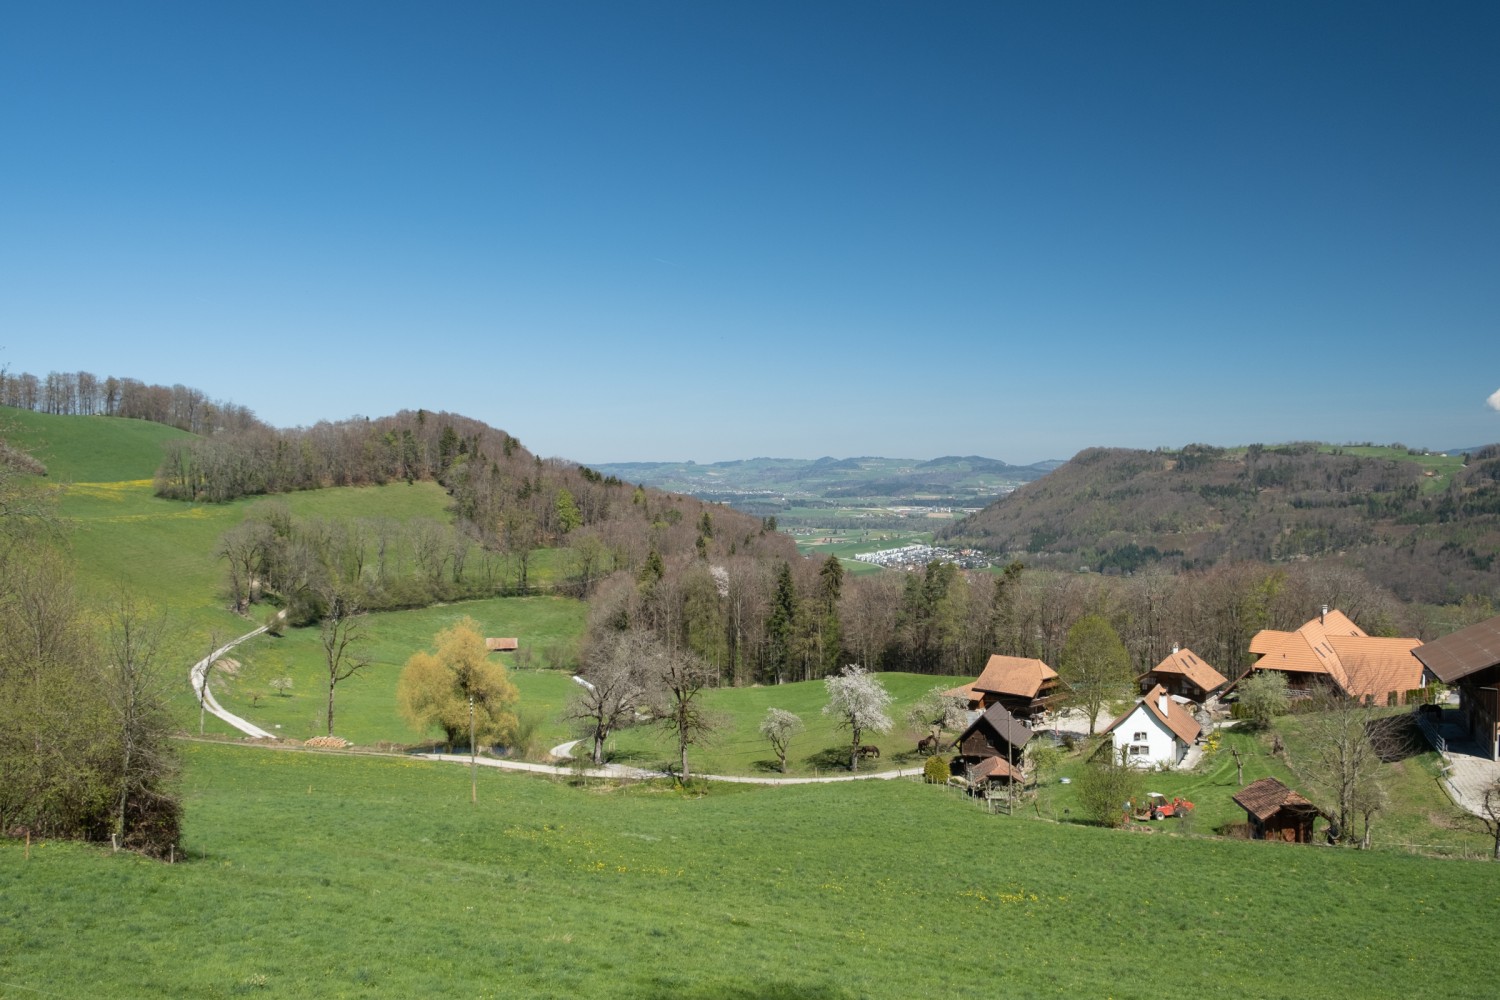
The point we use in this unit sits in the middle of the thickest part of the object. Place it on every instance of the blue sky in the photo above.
(635, 231)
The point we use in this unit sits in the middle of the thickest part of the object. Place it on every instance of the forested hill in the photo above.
(1427, 526)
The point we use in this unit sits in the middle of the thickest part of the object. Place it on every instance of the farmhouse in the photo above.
(993, 744)
(1184, 674)
(1470, 660)
(1275, 812)
(1332, 651)
(1025, 687)
(1156, 731)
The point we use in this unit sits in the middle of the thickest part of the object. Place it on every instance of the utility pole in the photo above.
(473, 767)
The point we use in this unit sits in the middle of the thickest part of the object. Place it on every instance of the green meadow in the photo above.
(347, 876)
(372, 875)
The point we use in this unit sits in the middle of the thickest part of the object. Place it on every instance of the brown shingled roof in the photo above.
(1266, 797)
(1013, 675)
(501, 645)
(993, 767)
(1185, 662)
(1467, 651)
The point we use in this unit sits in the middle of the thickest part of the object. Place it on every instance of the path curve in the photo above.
(197, 675)
(636, 773)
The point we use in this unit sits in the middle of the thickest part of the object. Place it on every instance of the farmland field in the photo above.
(348, 876)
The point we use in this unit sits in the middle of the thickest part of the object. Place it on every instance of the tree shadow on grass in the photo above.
(766, 766)
(829, 759)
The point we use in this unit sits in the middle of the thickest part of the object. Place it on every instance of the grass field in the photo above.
(365, 709)
(822, 748)
(344, 876)
(847, 543)
(89, 449)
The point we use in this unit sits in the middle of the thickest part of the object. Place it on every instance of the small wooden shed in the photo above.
(1276, 812)
(501, 645)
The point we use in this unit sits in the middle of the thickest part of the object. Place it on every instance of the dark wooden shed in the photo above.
(1276, 812)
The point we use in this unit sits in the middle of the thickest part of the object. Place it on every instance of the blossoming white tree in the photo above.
(858, 700)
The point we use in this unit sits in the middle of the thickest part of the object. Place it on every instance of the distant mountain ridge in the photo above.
(970, 480)
(1425, 525)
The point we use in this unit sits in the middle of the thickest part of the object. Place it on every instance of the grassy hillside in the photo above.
(354, 877)
(89, 449)
(1426, 526)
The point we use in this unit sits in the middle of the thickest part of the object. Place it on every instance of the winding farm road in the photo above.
(198, 676)
(199, 672)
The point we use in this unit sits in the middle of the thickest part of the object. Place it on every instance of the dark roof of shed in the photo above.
(1266, 797)
(1465, 652)
(998, 720)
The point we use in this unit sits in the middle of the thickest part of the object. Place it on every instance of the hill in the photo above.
(89, 449)
(1426, 526)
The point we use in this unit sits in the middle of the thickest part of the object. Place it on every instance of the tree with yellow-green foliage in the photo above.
(435, 687)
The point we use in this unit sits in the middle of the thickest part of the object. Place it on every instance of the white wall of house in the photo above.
(1146, 741)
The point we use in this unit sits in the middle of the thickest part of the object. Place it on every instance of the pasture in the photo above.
(347, 876)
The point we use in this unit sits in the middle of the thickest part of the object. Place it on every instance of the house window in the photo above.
(1139, 737)
(1140, 751)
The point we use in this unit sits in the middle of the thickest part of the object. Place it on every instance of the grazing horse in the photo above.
(927, 745)
(869, 750)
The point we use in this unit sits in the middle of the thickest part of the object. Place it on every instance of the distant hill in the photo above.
(970, 481)
(89, 449)
(1427, 526)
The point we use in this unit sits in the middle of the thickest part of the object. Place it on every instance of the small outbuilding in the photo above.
(1275, 812)
(501, 645)
(990, 749)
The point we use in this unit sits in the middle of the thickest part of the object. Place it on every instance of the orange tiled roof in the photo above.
(501, 645)
(1333, 645)
(1186, 662)
(1013, 675)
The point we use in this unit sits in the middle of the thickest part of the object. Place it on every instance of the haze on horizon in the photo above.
(664, 231)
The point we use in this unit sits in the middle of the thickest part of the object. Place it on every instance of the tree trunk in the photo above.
(330, 706)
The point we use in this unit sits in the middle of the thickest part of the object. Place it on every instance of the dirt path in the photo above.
(205, 694)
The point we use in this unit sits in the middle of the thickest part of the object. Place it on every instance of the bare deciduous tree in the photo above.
(614, 686)
(342, 632)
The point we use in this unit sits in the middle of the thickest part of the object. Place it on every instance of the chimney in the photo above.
(1162, 702)
(1174, 648)
(1323, 618)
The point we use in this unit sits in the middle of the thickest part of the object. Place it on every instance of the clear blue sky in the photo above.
(633, 231)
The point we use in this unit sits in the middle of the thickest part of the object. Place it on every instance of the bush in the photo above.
(1106, 784)
(935, 771)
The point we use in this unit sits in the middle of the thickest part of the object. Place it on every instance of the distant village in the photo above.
(912, 557)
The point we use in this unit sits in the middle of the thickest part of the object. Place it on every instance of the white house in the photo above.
(1156, 731)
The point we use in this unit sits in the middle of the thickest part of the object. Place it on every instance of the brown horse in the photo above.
(927, 745)
(869, 750)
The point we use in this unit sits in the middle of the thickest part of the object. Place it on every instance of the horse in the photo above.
(869, 750)
(927, 745)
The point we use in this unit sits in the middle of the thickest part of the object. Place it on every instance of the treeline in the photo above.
(85, 394)
(1119, 510)
(84, 749)
(758, 620)
(507, 504)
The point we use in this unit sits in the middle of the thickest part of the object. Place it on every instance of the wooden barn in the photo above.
(1469, 659)
(501, 645)
(993, 744)
(1275, 812)
(1184, 674)
(1025, 687)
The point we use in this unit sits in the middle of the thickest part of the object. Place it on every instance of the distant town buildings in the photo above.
(918, 556)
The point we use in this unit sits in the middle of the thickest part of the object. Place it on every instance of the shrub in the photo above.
(935, 771)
